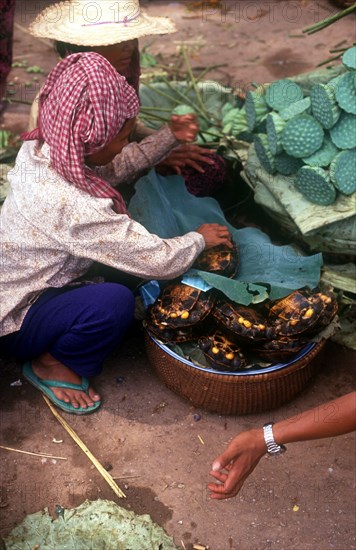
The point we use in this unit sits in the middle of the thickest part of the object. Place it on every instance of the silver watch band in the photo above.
(272, 447)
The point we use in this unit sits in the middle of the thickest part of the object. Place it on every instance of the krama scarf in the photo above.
(82, 107)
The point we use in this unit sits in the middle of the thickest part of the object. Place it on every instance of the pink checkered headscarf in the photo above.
(82, 107)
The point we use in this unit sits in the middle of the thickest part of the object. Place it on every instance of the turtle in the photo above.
(220, 260)
(280, 349)
(166, 335)
(179, 307)
(222, 353)
(243, 324)
(330, 309)
(295, 314)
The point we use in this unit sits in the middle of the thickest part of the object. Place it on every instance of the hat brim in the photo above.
(51, 24)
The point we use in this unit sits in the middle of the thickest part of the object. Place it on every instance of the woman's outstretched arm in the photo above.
(241, 457)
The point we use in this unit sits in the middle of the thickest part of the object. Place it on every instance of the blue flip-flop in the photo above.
(45, 387)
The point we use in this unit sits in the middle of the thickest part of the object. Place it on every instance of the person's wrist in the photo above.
(273, 447)
(259, 441)
(168, 128)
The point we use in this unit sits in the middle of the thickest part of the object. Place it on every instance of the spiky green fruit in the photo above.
(324, 155)
(349, 58)
(256, 109)
(302, 136)
(314, 184)
(343, 172)
(282, 93)
(346, 94)
(324, 105)
(264, 154)
(343, 134)
(287, 165)
(275, 126)
(298, 108)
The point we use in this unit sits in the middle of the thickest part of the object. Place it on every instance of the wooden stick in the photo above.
(159, 92)
(193, 80)
(33, 454)
(186, 100)
(329, 20)
(85, 449)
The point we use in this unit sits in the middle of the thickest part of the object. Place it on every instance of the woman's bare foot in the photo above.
(47, 367)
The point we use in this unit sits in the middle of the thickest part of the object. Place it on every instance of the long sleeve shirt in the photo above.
(138, 157)
(51, 232)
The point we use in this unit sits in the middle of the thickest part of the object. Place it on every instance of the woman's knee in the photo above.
(114, 301)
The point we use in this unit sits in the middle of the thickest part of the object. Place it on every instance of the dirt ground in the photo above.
(156, 444)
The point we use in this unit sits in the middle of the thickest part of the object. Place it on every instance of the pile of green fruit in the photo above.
(310, 137)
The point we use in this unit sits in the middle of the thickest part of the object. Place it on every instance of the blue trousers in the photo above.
(78, 326)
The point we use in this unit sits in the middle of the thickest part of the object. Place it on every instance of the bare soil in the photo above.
(155, 443)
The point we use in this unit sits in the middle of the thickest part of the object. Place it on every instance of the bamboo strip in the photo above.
(33, 454)
(108, 478)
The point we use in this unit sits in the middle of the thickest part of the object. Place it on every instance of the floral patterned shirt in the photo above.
(51, 233)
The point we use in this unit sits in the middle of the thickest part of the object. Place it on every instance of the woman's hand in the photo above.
(233, 467)
(215, 235)
(188, 155)
(184, 127)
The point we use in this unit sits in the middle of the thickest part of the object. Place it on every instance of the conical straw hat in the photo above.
(99, 23)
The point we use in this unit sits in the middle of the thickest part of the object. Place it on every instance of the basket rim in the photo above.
(272, 368)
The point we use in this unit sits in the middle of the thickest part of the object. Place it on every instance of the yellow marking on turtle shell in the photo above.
(173, 315)
(241, 320)
(293, 322)
(309, 313)
(261, 327)
(230, 356)
(247, 323)
(215, 350)
(184, 315)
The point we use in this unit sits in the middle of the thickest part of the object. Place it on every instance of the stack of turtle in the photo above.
(228, 332)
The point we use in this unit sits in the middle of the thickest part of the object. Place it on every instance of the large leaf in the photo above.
(99, 525)
(165, 96)
(164, 206)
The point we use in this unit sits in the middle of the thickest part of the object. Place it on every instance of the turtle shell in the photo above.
(222, 353)
(220, 260)
(166, 335)
(244, 324)
(280, 350)
(330, 309)
(179, 306)
(297, 313)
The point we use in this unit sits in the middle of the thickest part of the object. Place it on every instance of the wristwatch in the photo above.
(272, 447)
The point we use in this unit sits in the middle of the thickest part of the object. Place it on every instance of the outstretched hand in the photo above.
(184, 127)
(232, 468)
(215, 234)
(241, 457)
(188, 156)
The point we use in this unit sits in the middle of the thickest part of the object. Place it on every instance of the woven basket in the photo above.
(227, 393)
